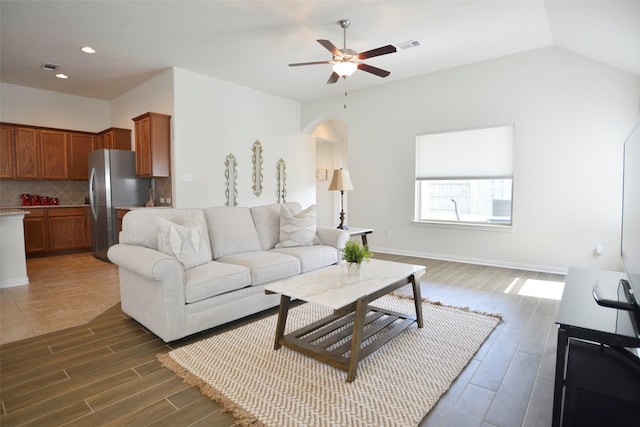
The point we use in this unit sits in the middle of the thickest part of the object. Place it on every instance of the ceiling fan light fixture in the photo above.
(344, 69)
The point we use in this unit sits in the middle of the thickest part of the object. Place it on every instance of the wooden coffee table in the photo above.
(338, 338)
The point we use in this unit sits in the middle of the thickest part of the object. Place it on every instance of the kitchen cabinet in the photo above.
(114, 139)
(60, 229)
(80, 145)
(53, 154)
(35, 240)
(153, 145)
(120, 213)
(27, 152)
(67, 228)
(8, 150)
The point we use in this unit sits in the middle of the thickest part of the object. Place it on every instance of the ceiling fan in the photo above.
(346, 61)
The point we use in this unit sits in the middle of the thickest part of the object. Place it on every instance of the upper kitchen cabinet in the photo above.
(27, 152)
(153, 145)
(53, 154)
(8, 150)
(114, 139)
(80, 145)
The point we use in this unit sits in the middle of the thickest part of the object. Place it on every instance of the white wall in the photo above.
(214, 118)
(155, 95)
(36, 107)
(571, 117)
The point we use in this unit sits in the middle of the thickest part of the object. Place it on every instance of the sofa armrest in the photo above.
(146, 262)
(332, 236)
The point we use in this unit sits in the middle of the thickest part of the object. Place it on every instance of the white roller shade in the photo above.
(474, 153)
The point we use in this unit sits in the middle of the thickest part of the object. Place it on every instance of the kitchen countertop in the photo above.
(42, 206)
(10, 212)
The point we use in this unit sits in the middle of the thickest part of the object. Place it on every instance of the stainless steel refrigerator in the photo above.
(112, 183)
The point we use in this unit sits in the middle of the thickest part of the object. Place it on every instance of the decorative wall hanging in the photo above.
(321, 174)
(231, 175)
(282, 181)
(257, 168)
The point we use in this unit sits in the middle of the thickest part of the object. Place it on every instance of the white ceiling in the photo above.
(251, 42)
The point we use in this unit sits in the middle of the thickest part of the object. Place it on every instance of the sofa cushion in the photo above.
(186, 243)
(297, 230)
(265, 266)
(311, 257)
(214, 278)
(139, 227)
(267, 221)
(231, 231)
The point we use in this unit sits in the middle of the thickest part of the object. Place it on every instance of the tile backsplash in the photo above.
(69, 192)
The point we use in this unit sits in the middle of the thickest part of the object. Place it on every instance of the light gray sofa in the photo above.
(217, 269)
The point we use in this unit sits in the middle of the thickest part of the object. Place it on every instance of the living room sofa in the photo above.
(183, 271)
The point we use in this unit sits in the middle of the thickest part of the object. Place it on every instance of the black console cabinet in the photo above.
(597, 379)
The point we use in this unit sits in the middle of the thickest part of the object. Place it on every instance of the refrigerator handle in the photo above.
(92, 195)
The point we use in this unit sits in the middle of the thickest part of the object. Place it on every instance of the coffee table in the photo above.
(338, 338)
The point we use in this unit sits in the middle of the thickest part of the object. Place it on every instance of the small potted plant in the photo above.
(355, 254)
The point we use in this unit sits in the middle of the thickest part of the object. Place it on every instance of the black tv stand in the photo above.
(597, 379)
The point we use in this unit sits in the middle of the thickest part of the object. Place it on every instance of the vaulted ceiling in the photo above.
(251, 43)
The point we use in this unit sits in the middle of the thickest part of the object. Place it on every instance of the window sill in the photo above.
(466, 226)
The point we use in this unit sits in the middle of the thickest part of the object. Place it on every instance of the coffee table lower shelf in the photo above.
(342, 339)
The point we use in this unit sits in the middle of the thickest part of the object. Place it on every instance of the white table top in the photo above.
(332, 287)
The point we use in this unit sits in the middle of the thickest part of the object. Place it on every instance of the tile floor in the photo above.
(63, 291)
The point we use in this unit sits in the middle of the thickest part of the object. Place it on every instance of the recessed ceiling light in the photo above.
(88, 49)
(62, 76)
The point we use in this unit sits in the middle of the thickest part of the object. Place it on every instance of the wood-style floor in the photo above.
(105, 372)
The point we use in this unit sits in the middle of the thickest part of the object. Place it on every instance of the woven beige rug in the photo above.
(397, 385)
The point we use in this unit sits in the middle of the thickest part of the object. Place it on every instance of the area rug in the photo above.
(396, 385)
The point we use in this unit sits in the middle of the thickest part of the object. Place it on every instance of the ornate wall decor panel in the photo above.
(282, 180)
(231, 175)
(257, 168)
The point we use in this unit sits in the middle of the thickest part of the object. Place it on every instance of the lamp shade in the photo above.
(344, 68)
(341, 181)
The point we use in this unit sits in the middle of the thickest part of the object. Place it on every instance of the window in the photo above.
(465, 176)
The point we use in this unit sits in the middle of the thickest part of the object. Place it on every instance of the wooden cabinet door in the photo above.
(121, 139)
(143, 146)
(80, 145)
(114, 139)
(53, 155)
(87, 220)
(7, 152)
(67, 228)
(35, 237)
(27, 153)
(153, 145)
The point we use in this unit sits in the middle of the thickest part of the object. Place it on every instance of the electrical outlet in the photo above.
(168, 200)
(162, 200)
(387, 233)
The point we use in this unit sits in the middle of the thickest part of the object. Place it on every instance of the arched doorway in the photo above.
(331, 149)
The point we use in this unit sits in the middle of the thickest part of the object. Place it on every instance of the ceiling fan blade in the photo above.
(333, 78)
(309, 63)
(373, 70)
(330, 47)
(384, 50)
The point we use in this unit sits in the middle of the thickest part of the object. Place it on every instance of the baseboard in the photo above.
(14, 282)
(487, 262)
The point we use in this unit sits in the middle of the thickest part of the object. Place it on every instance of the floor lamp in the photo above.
(341, 182)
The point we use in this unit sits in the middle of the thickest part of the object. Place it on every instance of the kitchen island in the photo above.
(13, 264)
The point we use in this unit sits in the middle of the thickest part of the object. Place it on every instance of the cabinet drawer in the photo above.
(34, 213)
(66, 211)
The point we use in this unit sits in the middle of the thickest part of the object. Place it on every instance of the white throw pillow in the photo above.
(297, 230)
(182, 242)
